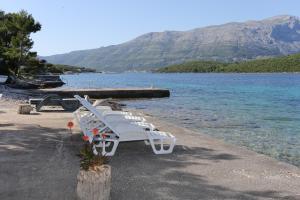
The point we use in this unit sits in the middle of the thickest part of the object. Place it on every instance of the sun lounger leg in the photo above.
(104, 147)
(162, 145)
(147, 142)
(113, 150)
(95, 150)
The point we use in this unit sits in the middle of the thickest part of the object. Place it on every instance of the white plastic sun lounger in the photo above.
(117, 119)
(109, 115)
(118, 130)
(120, 114)
(106, 111)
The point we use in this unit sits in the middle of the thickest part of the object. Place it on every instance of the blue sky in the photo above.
(84, 24)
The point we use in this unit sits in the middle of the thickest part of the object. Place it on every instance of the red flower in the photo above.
(70, 124)
(95, 131)
(85, 138)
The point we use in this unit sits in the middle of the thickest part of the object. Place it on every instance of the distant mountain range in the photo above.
(279, 35)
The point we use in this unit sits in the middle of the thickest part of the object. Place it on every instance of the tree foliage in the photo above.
(15, 41)
(290, 63)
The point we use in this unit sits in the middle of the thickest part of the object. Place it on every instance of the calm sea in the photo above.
(259, 111)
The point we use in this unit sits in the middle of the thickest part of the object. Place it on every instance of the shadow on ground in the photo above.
(41, 163)
(37, 163)
(138, 174)
(6, 124)
(55, 111)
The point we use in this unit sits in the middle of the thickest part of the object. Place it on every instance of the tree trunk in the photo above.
(20, 62)
(16, 71)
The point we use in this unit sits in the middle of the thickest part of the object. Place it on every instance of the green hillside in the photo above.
(194, 66)
(289, 63)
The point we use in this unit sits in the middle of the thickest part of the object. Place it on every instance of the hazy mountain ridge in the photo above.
(279, 35)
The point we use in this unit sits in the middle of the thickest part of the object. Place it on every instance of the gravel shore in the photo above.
(38, 161)
(11, 95)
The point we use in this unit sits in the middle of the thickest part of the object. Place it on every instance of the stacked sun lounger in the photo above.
(105, 128)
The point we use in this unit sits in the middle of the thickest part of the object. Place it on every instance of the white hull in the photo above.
(3, 78)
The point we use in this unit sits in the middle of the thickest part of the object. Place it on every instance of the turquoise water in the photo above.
(259, 111)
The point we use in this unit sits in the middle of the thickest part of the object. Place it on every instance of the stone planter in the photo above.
(24, 109)
(94, 184)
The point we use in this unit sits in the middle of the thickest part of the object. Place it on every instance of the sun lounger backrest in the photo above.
(93, 110)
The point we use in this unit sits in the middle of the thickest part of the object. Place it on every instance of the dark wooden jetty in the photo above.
(117, 93)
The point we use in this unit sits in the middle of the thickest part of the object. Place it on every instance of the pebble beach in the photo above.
(38, 152)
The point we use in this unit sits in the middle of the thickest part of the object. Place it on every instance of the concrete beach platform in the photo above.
(117, 93)
(109, 92)
(38, 161)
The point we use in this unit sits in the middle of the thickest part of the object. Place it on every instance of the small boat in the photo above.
(48, 81)
(3, 79)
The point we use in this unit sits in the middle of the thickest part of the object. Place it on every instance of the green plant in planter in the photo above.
(90, 161)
